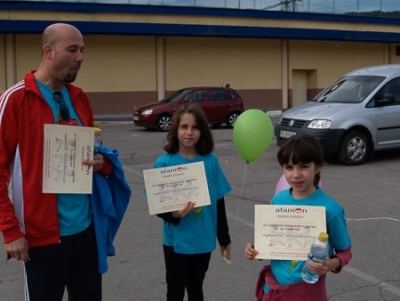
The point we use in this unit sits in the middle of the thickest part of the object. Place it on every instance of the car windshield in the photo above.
(175, 96)
(350, 89)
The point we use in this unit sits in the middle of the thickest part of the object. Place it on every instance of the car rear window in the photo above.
(232, 95)
(218, 94)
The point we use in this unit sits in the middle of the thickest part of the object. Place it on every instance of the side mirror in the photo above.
(386, 100)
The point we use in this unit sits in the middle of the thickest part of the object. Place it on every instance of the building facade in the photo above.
(136, 54)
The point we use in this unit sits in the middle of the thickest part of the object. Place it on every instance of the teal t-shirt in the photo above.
(289, 271)
(197, 232)
(73, 209)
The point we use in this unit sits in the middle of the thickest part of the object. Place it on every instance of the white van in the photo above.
(354, 116)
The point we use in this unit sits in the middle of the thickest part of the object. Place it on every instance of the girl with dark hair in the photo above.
(190, 234)
(301, 160)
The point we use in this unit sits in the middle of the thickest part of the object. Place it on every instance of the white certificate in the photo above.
(286, 232)
(170, 188)
(65, 146)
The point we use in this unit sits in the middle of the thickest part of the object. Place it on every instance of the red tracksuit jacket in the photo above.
(24, 209)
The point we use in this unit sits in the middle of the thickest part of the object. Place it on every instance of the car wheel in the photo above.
(354, 149)
(163, 123)
(231, 119)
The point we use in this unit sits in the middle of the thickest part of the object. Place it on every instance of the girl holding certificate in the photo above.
(301, 160)
(190, 234)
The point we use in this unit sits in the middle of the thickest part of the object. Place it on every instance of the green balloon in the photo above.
(252, 134)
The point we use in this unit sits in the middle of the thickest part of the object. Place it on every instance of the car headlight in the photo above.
(320, 124)
(147, 112)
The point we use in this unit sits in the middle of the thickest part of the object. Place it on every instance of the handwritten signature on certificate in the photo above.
(65, 147)
(286, 231)
(170, 188)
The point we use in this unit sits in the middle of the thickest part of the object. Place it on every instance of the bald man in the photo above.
(53, 234)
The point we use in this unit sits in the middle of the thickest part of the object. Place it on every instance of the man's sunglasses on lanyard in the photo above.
(64, 111)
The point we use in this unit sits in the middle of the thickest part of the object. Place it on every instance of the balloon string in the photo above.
(238, 204)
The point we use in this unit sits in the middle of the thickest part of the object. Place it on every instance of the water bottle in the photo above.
(319, 249)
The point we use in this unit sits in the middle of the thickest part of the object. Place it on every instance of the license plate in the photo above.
(135, 118)
(286, 134)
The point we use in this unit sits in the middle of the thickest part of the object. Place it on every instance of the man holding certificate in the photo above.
(53, 233)
(301, 160)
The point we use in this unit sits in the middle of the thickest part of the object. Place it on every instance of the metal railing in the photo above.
(372, 8)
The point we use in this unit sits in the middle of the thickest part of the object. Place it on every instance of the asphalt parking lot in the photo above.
(369, 194)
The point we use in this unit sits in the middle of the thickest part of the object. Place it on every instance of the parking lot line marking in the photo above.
(372, 218)
(131, 170)
(240, 220)
(373, 280)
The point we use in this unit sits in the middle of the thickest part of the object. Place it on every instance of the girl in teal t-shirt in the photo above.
(190, 234)
(301, 159)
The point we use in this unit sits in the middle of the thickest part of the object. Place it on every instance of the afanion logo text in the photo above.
(175, 169)
(291, 210)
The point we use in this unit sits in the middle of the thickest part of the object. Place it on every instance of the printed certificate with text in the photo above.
(170, 188)
(286, 232)
(65, 147)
